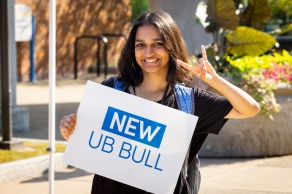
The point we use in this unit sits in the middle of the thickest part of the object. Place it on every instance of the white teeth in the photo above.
(150, 61)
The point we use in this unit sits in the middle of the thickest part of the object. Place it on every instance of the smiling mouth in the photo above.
(150, 60)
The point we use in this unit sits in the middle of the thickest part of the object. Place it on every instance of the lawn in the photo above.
(33, 149)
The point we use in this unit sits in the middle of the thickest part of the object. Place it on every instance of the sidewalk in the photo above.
(219, 176)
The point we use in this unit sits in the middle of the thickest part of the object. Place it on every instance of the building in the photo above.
(73, 19)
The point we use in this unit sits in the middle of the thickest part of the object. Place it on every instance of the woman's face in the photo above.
(150, 52)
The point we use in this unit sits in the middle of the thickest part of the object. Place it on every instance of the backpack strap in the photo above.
(190, 174)
(119, 85)
(184, 96)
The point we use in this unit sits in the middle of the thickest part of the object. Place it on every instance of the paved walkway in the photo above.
(219, 176)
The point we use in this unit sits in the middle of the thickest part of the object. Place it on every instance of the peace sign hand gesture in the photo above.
(243, 104)
(202, 69)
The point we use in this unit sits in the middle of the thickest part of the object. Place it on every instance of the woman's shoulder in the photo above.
(210, 101)
(109, 81)
(200, 92)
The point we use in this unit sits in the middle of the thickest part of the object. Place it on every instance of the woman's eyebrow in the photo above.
(155, 39)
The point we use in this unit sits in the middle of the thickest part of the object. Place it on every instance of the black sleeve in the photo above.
(109, 82)
(211, 110)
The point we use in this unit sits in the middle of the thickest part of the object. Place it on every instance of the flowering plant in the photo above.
(261, 89)
(260, 75)
(279, 72)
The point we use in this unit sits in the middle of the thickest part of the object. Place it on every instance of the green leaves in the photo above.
(242, 23)
(239, 45)
(221, 13)
(248, 41)
(282, 30)
(247, 63)
(257, 14)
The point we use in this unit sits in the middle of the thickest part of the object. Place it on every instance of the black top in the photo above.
(211, 110)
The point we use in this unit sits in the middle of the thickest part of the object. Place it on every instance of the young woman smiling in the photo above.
(153, 59)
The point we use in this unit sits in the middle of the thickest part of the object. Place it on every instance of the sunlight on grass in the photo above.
(32, 149)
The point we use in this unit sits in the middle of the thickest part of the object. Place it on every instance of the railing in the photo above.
(99, 38)
(103, 38)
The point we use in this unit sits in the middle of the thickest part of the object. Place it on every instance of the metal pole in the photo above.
(5, 74)
(13, 54)
(75, 58)
(52, 86)
(98, 58)
(105, 59)
(31, 46)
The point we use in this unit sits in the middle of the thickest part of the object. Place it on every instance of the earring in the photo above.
(133, 65)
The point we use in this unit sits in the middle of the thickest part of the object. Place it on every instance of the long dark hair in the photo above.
(129, 70)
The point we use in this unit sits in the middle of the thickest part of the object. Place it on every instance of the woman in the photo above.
(152, 60)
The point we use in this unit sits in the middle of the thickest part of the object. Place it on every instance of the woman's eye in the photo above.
(158, 44)
(139, 45)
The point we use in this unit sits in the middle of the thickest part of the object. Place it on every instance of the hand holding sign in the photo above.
(67, 126)
(142, 143)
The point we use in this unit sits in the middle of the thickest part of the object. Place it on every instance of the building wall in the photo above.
(74, 18)
(183, 12)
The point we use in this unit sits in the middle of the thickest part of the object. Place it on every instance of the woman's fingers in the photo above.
(194, 69)
(205, 74)
(67, 125)
(203, 69)
(65, 132)
(68, 121)
(204, 54)
(199, 69)
(185, 65)
(72, 118)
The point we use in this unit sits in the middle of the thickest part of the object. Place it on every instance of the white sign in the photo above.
(23, 22)
(129, 139)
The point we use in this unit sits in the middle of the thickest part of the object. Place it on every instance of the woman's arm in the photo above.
(243, 104)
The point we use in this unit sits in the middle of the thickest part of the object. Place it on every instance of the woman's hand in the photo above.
(67, 126)
(243, 104)
(202, 69)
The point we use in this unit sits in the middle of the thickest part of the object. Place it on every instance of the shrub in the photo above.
(260, 75)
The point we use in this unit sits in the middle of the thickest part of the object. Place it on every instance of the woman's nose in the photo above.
(149, 51)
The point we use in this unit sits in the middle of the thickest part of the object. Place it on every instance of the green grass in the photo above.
(33, 149)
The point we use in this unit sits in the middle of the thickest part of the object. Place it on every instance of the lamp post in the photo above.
(6, 40)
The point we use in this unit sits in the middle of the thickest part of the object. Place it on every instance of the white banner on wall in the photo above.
(129, 139)
(23, 22)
